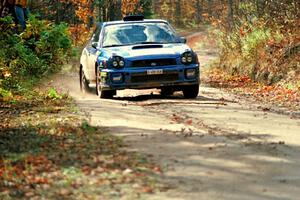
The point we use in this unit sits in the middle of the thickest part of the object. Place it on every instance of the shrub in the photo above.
(39, 50)
(262, 44)
(256, 39)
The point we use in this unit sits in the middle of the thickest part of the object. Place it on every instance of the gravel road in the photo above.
(212, 147)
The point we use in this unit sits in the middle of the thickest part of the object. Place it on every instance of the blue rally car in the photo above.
(137, 53)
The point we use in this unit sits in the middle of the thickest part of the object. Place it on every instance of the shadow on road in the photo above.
(210, 166)
(141, 95)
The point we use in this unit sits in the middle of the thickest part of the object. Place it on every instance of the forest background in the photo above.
(258, 40)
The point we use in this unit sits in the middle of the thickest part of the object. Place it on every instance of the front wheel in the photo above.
(104, 94)
(191, 92)
(166, 91)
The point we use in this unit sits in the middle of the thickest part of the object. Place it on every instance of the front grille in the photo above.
(154, 62)
(153, 78)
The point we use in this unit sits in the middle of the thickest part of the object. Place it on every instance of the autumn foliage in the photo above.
(130, 6)
(81, 15)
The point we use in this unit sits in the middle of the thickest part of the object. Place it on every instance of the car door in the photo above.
(91, 54)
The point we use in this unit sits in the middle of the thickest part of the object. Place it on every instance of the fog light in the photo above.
(190, 73)
(117, 78)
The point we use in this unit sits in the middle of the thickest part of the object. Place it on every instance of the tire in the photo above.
(166, 91)
(191, 92)
(84, 85)
(103, 94)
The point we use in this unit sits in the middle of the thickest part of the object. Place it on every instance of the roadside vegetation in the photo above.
(260, 39)
(259, 47)
(27, 57)
(258, 43)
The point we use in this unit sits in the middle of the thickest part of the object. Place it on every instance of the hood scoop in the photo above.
(147, 46)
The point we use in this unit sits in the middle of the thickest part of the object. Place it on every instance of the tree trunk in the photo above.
(210, 5)
(178, 20)
(118, 10)
(230, 14)
(57, 5)
(199, 7)
(260, 7)
(100, 12)
(155, 5)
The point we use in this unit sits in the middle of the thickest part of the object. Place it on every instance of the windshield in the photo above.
(138, 33)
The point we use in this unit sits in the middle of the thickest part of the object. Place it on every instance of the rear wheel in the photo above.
(84, 85)
(191, 92)
(105, 94)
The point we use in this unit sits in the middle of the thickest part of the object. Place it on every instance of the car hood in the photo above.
(149, 50)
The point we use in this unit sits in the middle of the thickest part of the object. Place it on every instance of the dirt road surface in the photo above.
(212, 147)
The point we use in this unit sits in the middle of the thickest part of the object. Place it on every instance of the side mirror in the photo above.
(182, 40)
(95, 45)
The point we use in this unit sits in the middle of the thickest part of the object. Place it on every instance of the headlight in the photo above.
(121, 63)
(115, 63)
(187, 58)
(190, 59)
(118, 62)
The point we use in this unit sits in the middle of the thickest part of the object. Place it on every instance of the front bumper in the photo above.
(140, 78)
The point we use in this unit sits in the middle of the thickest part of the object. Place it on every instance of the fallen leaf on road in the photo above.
(189, 121)
(147, 189)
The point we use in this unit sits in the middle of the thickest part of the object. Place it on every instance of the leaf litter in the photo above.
(49, 151)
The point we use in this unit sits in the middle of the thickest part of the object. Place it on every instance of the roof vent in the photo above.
(134, 18)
